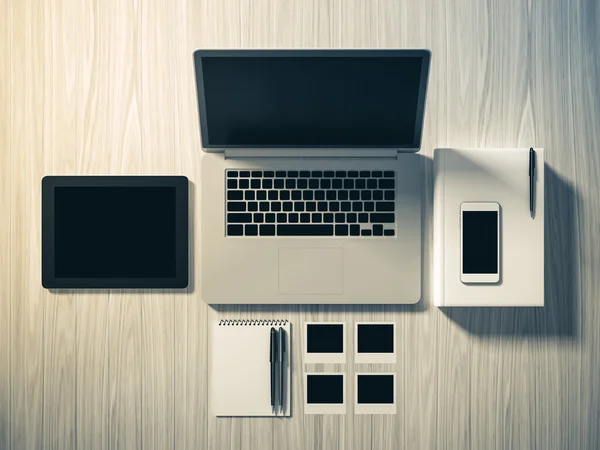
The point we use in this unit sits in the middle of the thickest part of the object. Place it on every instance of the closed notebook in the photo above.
(240, 377)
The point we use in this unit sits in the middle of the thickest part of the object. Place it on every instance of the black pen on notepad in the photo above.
(273, 361)
(531, 180)
(281, 358)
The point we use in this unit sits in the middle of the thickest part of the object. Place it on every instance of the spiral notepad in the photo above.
(240, 381)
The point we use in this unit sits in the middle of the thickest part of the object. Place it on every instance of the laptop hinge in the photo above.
(311, 153)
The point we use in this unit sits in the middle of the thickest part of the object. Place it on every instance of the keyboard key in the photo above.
(244, 184)
(369, 206)
(352, 174)
(354, 195)
(366, 195)
(272, 195)
(345, 206)
(290, 183)
(387, 183)
(340, 173)
(304, 174)
(267, 230)
(299, 207)
(232, 173)
(371, 184)
(249, 195)
(325, 183)
(336, 183)
(293, 218)
(319, 195)
(388, 174)
(377, 230)
(239, 218)
(252, 206)
(267, 184)
(232, 184)
(377, 195)
(278, 184)
(292, 174)
(235, 230)
(251, 230)
(328, 218)
(343, 195)
(357, 206)
(259, 217)
(264, 206)
(311, 206)
(389, 195)
(360, 184)
(348, 184)
(275, 206)
(288, 206)
(245, 174)
(330, 195)
(388, 232)
(313, 184)
(385, 206)
(269, 174)
(328, 174)
(351, 217)
(307, 195)
(322, 206)
(340, 218)
(382, 218)
(261, 195)
(305, 230)
(365, 174)
(236, 206)
(354, 230)
(341, 230)
(256, 174)
(317, 217)
(296, 195)
(305, 218)
(302, 183)
(364, 218)
(270, 218)
(365, 233)
(334, 206)
(317, 174)
(377, 174)
(284, 195)
(280, 174)
(281, 217)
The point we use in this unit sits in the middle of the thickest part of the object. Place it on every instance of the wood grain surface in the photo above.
(107, 87)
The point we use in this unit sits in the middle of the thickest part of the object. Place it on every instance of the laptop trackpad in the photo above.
(311, 271)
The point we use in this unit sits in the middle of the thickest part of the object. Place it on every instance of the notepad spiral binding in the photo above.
(252, 322)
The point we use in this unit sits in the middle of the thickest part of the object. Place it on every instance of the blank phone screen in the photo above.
(480, 242)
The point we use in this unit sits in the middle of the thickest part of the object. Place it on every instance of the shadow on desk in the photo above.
(560, 316)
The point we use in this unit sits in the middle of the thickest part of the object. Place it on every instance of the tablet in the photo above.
(115, 232)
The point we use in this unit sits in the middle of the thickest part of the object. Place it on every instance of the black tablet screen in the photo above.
(114, 232)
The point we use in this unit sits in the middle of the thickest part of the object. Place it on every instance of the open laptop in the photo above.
(310, 185)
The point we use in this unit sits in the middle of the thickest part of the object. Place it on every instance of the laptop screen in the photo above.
(355, 99)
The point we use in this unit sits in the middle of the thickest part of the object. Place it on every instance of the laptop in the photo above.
(310, 181)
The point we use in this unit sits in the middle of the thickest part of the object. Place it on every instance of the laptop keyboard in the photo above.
(310, 203)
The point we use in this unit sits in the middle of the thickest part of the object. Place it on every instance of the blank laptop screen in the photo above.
(309, 101)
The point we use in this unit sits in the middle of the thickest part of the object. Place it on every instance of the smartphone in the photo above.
(480, 242)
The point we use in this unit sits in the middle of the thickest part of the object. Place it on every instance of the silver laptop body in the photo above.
(310, 183)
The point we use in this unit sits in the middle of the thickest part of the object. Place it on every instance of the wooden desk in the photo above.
(107, 87)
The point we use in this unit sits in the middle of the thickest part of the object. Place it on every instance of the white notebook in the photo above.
(489, 175)
(240, 376)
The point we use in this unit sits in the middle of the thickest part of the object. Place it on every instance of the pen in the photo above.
(281, 354)
(272, 360)
(531, 180)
